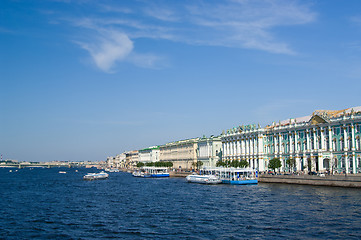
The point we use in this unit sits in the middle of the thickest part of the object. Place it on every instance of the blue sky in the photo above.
(83, 80)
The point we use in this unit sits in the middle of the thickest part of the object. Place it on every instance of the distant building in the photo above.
(182, 153)
(209, 151)
(324, 141)
(150, 154)
(131, 159)
(116, 162)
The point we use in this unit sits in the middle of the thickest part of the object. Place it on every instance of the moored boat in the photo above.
(96, 176)
(203, 179)
(235, 176)
(152, 172)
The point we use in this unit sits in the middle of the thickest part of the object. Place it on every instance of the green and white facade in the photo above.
(150, 154)
(324, 141)
(209, 150)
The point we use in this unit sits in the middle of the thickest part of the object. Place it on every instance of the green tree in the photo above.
(274, 163)
(243, 164)
(140, 164)
(291, 163)
(220, 163)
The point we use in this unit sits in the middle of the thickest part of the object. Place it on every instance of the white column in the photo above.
(227, 148)
(260, 145)
(346, 161)
(322, 140)
(298, 163)
(315, 141)
(330, 139)
(296, 142)
(345, 142)
(247, 146)
(243, 148)
(280, 143)
(307, 140)
(238, 148)
(345, 147)
(290, 143)
(251, 146)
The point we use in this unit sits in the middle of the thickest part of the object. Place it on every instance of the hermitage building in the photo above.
(324, 141)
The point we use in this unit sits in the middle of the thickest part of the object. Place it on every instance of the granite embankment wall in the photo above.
(179, 174)
(328, 180)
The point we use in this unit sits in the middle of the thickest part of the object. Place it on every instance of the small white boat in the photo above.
(63, 172)
(234, 176)
(204, 179)
(112, 170)
(152, 172)
(96, 176)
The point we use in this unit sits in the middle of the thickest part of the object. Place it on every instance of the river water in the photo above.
(45, 204)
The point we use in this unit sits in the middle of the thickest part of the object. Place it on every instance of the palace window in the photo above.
(343, 162)
(338, 131)
(341, 144)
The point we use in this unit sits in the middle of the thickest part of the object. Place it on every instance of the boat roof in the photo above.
(156, 168)
(223, 169)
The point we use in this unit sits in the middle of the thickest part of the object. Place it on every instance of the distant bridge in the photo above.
(43, 165)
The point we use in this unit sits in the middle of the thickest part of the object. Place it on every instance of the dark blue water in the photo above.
(44, 204)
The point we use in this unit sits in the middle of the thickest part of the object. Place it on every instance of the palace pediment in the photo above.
(317, 119)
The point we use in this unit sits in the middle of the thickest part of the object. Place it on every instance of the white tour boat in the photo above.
(204, 179)
(96, 176)
(234, 176)
(152, 172)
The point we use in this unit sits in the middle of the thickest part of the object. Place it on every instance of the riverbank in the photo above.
(352, 181)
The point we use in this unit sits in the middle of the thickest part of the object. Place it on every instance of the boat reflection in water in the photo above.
(152, 172)
(203, 179)
(96, 176)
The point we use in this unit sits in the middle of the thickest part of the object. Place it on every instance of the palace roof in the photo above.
(324, 114)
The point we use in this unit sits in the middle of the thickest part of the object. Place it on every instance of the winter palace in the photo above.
(324, 141)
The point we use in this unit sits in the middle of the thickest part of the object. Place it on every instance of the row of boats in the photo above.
(234, 176)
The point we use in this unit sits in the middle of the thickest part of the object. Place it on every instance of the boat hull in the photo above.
(151, 175)
(241, 182)
(96, 176)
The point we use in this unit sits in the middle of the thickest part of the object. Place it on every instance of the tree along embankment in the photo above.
(353, 181)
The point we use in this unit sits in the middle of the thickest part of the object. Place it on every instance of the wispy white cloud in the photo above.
(164, 14)
(230, 23)
(148, 60)
(248, 24)
(108, 48)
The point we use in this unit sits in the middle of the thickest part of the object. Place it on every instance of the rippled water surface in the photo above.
(44, 204)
